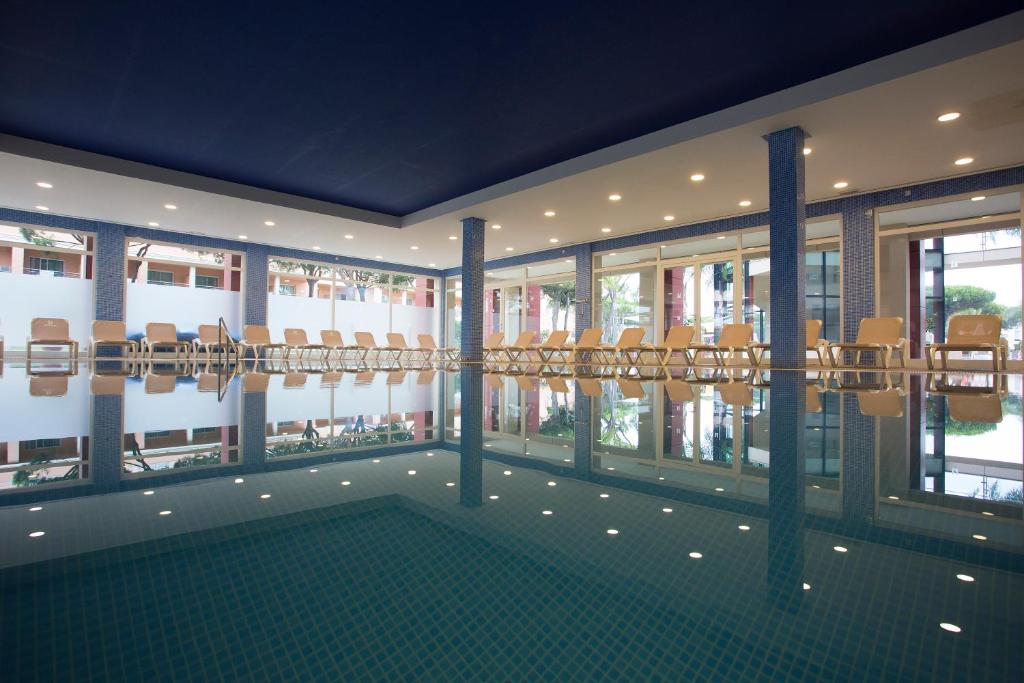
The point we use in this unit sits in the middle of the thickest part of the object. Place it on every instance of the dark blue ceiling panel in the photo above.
(395, 106)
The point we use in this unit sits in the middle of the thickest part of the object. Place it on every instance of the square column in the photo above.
(472, 289)
(787, 217)
(109, 273)
(584, 286)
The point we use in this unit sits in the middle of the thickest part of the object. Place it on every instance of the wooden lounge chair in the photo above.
(111, 333)
(627, 349)
(209, 342)
(814, 343)
(735, 393)
(367, 345)
(630, 388)
(983, 408)
(884, 403)
(590, 387)
(50, 332)
(449, 353)
(882, 336)
(972, 333)
(519, 350)
(415, 354)
(332, 342)
(165, 335)
(298, 341)
(557, 385)
(554, 344)
(734, 338)
(678, 340)
(582, 350)
(492, 347)
(257, 338)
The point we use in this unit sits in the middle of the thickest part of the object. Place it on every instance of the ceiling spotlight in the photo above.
(949, 116)
(414, 248)
(452, 237)
(979, 198)
(841, 184)
(745, 202)
(40, 207)
(606, 230)
(269, 224)
(496, 226)
(378, 256)
(720, 237)
(45, 185)
(432, 265)
(36, 534)
(669, 217)
(243, 237)
(963, 161)
(350, 237)
(316, 248)
(549, 213)
(807, 151)
(615, 197)
(952, 628)
(697, 177)
(553, 240)
(509, 248)
(153, 224)
(170, 207)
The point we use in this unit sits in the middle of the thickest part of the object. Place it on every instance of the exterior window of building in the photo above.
(42, 265)
(160, 277)
(207, 282)
(286, 289)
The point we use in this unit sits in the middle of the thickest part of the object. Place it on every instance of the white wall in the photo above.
(413, 320)
(23, 297)
(350, 399)
(353, 316)
(303, 312)
(184, 408)
(186, 307)
(42, 417)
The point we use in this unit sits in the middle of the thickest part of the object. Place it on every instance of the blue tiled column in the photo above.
(106, 442)
(256, 273)
(858, 463)
(472, 290)
(583, 434)
(471, 443)
(787, 217)
(858, 263)
(786, 488)
(254, 431)
(108, 273)
(584, 287)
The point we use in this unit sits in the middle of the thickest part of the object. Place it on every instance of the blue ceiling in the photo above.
(395, 106)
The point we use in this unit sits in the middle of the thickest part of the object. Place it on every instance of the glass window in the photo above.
(551, 306)
(160, 277)
(716, 298)
(627, 300)
(207, 282)
(52, 265)
(680, 290)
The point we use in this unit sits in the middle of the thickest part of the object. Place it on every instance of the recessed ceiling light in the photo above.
(496, 226)
(979, 537)
(350, 237)
(243, 237)
(615, 197)
(952, 628)
(987, 513)
(966, 578)
(979, 198)
(36, 534)
(606, 230)
(509, 248)
(720, 237)
(170, 207)
(316, 248)
(452, 237)
(613, 254)
(488, 275)
(414, 248)
(697, 177)
(45, 185)
(744, 202)
(42, 208)
(269, 224)
(669, 217)
(840, 185)
(807, 151)
(148, 493)
(549, 213)
(432, 265)
(153, 224)
(378, 256)
(37, 508)
(568, 260)
(553, 240)
(949, 116)
(963, 161)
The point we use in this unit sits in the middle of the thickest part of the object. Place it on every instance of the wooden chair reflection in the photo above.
(48, 385)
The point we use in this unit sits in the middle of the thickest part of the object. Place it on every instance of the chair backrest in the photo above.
(813, 332)
(679, 336)
(396, 377)
(974, 329)
(590, 338)
(984, 408)
(493, 380)
(557, 385)
(256, 334)
(736, 335)
(365, 377)
(631, 337)
(525, 383)
(425, 377)
(255, 382)
(50, 329)
(209, 334)
(106, 385)
(161, 332)
(332, 378)
(294, 336)
(630, 388)
(735, 393)
(880, 330)
(295, 380)
(887, 403)
(524, 339)
(813, 400)
(365, 340)
(331, 338)
(160, 384)
(556, 339)
(493, 341)
(679, 391)
(396, 340)
(111, 330)
(426, 341)
(208, 381)
(590, 387)
(47, 385)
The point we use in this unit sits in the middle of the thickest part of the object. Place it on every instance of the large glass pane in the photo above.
(551, 306)
(757, 298)
(716, 298)
(627, 299)
(413, 306)
(513, 313)
(679, 296)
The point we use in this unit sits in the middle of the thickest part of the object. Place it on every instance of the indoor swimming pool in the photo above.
(430, 522)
